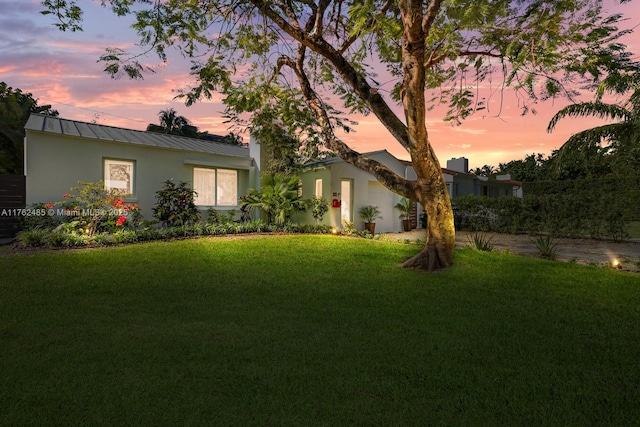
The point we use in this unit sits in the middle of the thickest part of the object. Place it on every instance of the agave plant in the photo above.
(547, 247)
(481, 242)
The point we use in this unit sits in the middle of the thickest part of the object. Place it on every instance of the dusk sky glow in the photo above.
(61, 69)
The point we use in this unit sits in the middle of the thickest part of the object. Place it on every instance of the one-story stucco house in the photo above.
(348, 188)
(59, 153)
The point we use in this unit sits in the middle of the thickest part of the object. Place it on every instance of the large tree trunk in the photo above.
(431, 188)
(441, 236)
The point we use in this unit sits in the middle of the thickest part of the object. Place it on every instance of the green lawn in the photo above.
(313, 330)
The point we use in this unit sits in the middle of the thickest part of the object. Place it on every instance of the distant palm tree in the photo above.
(486, 170)
(614, 139)
(171, 123)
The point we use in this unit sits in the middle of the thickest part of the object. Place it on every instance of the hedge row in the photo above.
(65, 238)
(593, 215)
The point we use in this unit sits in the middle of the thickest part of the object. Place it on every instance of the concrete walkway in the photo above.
(583, 251)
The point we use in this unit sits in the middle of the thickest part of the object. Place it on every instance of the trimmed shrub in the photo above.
(175, 205)
(584, 214)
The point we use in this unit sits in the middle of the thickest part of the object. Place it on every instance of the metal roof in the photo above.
(49, 124)
(314, 163)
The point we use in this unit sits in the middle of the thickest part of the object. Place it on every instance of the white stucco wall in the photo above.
(366, 191)
(55, 162)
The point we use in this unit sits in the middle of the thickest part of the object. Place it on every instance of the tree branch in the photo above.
(285, 6)
(318, 25)
(385, 175)
(433, 60)
(430, 15)
(481, 53)
(346, 71)
(351, 39)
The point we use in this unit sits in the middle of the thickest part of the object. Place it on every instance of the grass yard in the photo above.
(313, 330)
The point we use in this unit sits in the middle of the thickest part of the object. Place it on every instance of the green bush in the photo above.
(43, 221)
(93, 209)
(33, 237)
(319, 206)
(586, 214)
(278, 198)
(65, 238)
(66, 234)
(175, 205)
(474, 213)
(215, 216)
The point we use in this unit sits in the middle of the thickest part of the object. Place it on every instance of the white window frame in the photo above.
(215, 196)
(202, 198)
(108, 182)
(319, 188)
(221, 199)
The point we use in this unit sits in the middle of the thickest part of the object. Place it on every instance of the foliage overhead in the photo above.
(270, 58)
(534, 167)
(15, 108)
(613, 147)
(542, 49)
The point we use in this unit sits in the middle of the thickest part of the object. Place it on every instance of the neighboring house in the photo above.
(460, 182)
(348, 188)
(59, 153)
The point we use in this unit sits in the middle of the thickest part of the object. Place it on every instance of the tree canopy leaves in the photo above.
(15, 108)
(614, 147)
(371, 55)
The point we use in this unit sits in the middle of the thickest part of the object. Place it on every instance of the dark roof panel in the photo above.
(49, 124)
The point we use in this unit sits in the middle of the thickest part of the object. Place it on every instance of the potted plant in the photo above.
(369, 214)
(405, 206)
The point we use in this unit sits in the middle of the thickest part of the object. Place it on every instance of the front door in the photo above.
(345, 206)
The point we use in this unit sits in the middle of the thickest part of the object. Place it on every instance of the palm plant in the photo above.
(171, 123)
(405, 206)
(278, 198)
(370, 213)
(618, 139)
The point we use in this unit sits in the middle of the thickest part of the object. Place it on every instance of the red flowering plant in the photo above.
(96, 209)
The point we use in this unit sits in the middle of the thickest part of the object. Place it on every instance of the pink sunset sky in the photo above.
(60, 69)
